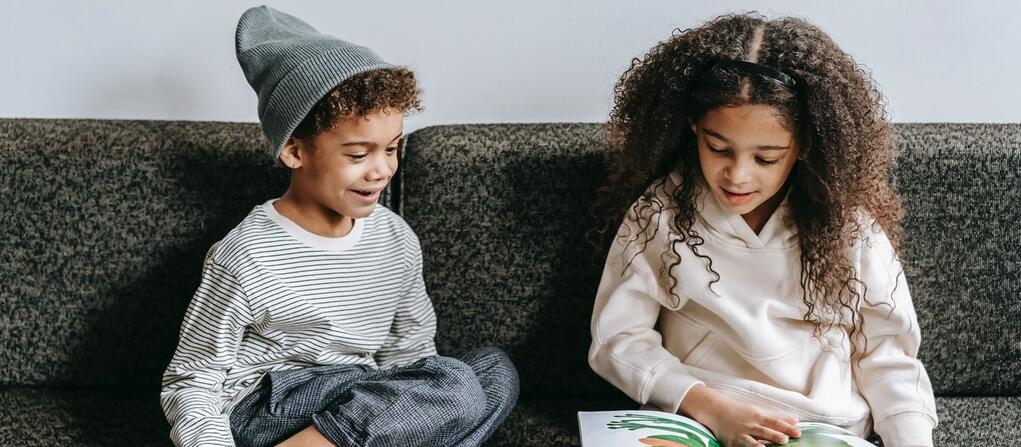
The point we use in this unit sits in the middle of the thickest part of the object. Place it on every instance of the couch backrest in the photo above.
(104, 226)
(502, 212)
(960, 187)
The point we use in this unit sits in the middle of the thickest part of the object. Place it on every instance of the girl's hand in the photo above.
(736, 423)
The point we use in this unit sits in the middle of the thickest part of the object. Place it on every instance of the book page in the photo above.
(639, 428)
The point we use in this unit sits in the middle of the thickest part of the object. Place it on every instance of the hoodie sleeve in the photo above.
(889, 374)
(626, 348)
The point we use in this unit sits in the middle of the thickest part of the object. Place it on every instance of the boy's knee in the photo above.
(460, 387)
(500, 363)
(486, 358)
(492, 365)
(450, 370)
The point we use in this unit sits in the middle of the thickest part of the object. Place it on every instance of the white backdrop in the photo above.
(481, 61)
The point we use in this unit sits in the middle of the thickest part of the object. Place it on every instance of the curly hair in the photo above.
(360, 95)
(835, 111)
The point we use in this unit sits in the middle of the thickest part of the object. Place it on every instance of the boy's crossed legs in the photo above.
(436, 401)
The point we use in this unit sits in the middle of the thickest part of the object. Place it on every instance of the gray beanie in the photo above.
(292, 66)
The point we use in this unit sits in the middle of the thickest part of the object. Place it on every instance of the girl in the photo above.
(755, 279)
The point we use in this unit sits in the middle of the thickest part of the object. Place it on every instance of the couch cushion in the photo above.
(45, 416)
(36, 416)
(978, 420)
(52, 416)
(502, 212)
(49, 416)
(553, 421)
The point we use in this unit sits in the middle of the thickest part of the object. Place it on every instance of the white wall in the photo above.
(480, 61)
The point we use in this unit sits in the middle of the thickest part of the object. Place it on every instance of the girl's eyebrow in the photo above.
(727, 140)
(371, 144)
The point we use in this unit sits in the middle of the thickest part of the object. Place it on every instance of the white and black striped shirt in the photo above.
(274, 296)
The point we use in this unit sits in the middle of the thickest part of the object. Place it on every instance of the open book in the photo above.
(639, 428)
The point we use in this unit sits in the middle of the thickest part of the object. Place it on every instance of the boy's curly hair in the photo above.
(835, 111)
(360, 95)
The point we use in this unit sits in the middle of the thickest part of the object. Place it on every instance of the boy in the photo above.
(311, 325)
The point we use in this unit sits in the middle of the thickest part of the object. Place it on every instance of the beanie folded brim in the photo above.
(289, 102)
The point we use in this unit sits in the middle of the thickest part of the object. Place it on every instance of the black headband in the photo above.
(762, 70)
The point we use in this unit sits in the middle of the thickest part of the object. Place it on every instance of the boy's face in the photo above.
(344, 169)
(746, 155)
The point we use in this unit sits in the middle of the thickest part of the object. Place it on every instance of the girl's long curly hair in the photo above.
(835, 111)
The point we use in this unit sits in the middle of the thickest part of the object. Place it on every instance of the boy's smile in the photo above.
(746, 154)
(341, 172)
(368, 197)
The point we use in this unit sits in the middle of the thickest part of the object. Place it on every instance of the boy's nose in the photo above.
(380, 169)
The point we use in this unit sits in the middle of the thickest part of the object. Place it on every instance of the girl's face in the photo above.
(746, 155)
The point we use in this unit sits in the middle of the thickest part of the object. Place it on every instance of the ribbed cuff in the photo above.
(906, 429)
(671, 386)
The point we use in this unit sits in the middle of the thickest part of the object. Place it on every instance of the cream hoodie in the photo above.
(746, 336)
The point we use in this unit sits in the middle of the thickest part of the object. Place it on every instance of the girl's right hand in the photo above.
(736, 423)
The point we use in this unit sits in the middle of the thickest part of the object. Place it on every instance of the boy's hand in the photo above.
(736, 423)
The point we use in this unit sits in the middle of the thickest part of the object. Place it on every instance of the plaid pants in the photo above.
(436, 401)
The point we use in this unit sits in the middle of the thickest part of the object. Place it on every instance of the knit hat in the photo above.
(292, 66)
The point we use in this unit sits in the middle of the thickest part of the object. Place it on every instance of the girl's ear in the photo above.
(291, 154)
(694, 127)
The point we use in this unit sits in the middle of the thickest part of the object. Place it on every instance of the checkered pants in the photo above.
(436, 401)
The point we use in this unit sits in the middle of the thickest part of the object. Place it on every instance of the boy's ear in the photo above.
(291, 154)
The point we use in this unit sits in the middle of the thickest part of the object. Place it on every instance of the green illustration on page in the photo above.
(678, 433)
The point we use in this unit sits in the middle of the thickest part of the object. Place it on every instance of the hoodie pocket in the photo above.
(705, 347)
(799, 368)
(684, 338)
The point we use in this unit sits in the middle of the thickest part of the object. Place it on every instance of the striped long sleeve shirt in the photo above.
(274, 296)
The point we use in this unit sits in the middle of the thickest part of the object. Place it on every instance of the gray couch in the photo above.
(104, 225)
